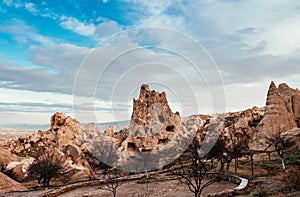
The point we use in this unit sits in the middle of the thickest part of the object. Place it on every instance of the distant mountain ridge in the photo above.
(32, 127)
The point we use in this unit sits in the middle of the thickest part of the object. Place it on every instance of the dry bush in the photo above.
(49, 165)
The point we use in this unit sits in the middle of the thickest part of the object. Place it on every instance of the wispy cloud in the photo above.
(23, 32)
(75, 25)
(30, 7)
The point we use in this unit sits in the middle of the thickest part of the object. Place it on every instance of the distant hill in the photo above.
(119, 125)
(7, 133)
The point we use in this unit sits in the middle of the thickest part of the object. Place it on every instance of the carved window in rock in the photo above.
(163, 141)
(146, 150)
(170, 128)
(131, 146)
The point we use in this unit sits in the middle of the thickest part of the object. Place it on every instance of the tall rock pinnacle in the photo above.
(277, 119)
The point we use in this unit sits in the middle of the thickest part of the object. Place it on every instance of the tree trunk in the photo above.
(252, 171)
(283, 164)
(227, 170)
(197, 193)
(235, 165)
(222, 167)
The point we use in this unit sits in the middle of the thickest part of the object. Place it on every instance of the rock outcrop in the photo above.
(279, 116)
(152, 121)
(64, 135)
(291, 98)
(156, 136)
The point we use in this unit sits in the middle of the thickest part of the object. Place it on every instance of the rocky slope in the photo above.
(9, 185)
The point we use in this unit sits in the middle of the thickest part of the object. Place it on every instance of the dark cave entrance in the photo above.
(170, 128)
(131, 146)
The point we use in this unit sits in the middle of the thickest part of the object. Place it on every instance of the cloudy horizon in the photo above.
(88, 59)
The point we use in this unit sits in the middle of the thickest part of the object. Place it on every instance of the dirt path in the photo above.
(132, 189)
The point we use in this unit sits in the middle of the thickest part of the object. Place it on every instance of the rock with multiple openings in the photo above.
(64, 135)
(152, 122)
(157, 133)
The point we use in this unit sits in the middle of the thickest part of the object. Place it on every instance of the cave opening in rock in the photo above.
(163, 141)
(131, 146)
(298, 123)
(170, 128)
(146, 150)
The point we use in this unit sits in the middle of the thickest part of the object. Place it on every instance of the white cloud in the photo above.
(106, 28)
(277, 21)
(97, 32)
(30, 7)
(23, 32)
(73, 24)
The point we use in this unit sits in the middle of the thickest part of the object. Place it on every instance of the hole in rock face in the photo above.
(163, 141)
(146, 150)
(170, 128)
(131, 146)
(298, 123)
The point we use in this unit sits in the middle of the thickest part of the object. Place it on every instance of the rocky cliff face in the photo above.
(152, 122)
(291, 98)
(281, 115)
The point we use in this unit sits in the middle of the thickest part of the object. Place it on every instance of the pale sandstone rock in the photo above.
(278, 117)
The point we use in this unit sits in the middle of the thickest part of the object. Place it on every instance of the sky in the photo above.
(88, 58)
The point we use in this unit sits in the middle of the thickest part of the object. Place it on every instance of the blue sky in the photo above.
(43, 45)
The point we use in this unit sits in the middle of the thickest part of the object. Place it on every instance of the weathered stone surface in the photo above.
(160, 134)
(63, 135)
(110, 131)
(292, 100)
(228, 134)
(65, 129)
(278, 117)
(152, 121)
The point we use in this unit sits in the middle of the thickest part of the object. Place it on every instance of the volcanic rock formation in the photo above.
(152, 121)
(282, 114)
(63, 135)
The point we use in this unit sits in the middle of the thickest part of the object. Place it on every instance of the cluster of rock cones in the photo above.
(153, 128)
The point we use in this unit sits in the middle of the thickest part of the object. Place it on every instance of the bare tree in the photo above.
(112, 180)
(101, 152)
(47, 166)
(280, 145)
(193, 170)
(277, 141)
(145, 191)
(230, 145)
